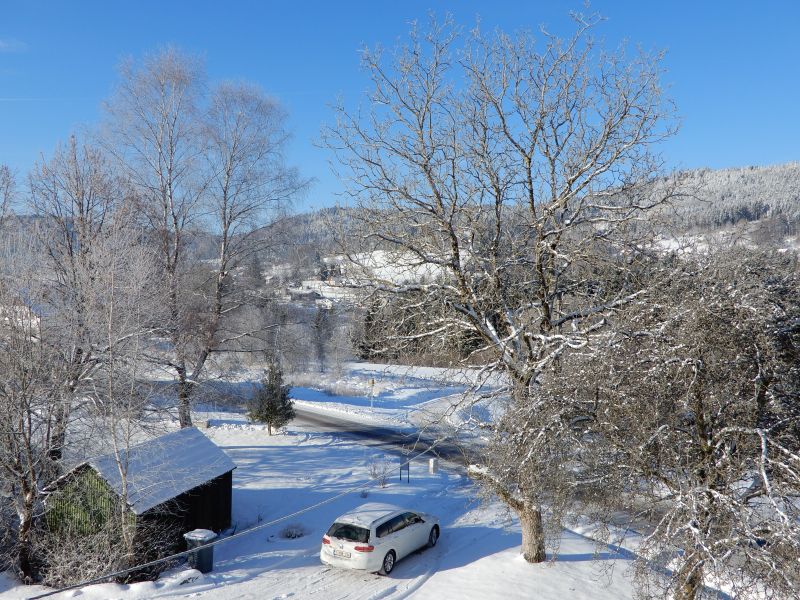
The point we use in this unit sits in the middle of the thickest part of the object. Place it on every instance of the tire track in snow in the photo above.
(341, 584)
(443, 551)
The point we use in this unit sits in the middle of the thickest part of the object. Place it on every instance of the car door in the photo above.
(397, 538)
(415, 531)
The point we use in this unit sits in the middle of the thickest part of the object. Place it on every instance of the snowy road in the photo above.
(388, 439)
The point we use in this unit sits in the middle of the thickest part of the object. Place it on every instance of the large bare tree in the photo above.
(501, 172)
(199, 160)
(244, 136)
(688, 422)
(153, 129)
(75, 314)
(121, 300)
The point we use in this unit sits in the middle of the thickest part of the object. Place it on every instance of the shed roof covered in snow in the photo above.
(164, 468)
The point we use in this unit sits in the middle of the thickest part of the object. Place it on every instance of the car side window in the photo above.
(412, 518)
(383, 529)
(396, 524)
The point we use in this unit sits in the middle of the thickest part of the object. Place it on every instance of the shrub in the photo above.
(293, 531)
(379, 470)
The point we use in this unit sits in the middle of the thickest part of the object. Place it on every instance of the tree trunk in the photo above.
(77, 363)
(24, 545)
(184, 392)
(690, 579)
(59, 436)
(530, 518)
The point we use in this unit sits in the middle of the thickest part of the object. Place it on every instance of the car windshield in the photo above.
(351, 533)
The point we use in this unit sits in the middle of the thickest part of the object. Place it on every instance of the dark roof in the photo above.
(164, 468)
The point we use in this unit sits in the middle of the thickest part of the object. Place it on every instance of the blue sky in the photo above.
(733, 67)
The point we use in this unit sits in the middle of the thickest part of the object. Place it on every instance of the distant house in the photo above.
(19, 316)
(175, 483)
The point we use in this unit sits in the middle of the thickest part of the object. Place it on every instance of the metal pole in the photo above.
(371, 392)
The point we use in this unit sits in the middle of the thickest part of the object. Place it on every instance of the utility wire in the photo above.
(370, 480)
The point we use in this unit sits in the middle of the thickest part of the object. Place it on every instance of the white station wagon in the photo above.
(374, 537)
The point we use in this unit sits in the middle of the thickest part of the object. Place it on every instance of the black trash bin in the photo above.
(202, 558)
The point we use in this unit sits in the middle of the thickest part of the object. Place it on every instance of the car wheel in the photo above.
(433, 537)
(388, 563)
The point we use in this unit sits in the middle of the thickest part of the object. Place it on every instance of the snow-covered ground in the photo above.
(477, 557)
(304, 479)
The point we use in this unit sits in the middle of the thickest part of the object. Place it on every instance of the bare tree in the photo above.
(30, 373)
(74, 194)
(122, 303)
(688, 421)
(244, 137)
(115, 414)
(73, 319)
(502, 173)
(153, 130)
(219, 166)
(76, 317)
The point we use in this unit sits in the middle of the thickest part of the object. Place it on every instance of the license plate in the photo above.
(341, 553)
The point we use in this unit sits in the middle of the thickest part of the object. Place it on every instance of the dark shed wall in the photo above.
(209, 506)
(205, 507)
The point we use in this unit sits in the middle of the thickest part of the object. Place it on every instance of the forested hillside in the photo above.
(717, 198)
(709, 199)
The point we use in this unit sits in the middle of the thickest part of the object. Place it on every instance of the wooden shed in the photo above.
(174, 483)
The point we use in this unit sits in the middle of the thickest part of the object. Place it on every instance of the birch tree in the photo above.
(121, 301)
(199, 160)
(244, 136)
(113, 409)
(153, 128)
(504, 173)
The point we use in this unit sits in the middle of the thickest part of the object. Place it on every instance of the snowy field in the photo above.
(279, 476)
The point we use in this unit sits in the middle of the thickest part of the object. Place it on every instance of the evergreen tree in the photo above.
(271, 403)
